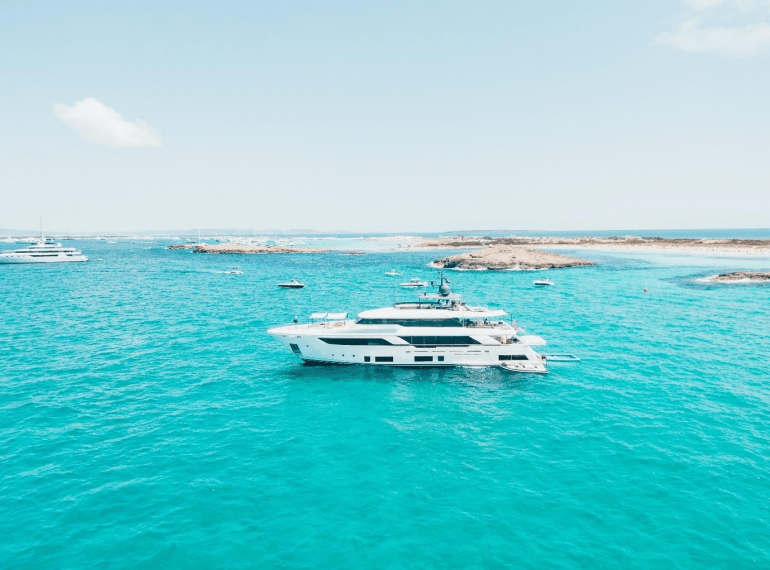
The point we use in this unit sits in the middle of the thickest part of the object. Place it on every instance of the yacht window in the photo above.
(431, 341)
(423, 359)
(357, 341)
(383, 359)
(367, 359)
(295, 348)
(513, 357)
(440, 359)
(412, 322)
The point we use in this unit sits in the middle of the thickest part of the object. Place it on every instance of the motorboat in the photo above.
(293, 284)
(416, 282)
(438, 329)
(234, 271)
(543, 282)
(393, 273)
(44, 251)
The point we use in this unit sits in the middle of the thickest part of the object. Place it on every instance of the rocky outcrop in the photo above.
(742, 276)
(237, 248)
(498, 257)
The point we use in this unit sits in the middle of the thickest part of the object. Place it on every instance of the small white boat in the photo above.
(416, 282)
(529, 367)
(234, 271)
(393, 273)
(543, 282)
(293, 284)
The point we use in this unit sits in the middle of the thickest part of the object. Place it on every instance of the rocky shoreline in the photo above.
(741, 277)
(500, 257)
(249, 249)
(752, 247)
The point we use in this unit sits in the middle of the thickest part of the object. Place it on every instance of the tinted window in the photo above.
(412, 322)
(513, 357)
(440, 340)
(423, 359)
(383, 359)
(357, 341)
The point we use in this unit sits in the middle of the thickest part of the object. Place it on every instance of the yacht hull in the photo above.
(312, 350)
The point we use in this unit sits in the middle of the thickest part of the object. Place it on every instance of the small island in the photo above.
(499, 257)
(748, 247)
(741, 277)
(238, 248)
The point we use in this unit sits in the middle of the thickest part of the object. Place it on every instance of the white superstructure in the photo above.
(44, 251)
(437, 330)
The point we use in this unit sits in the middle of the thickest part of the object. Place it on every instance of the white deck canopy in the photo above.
(429, 314)
(329, 316)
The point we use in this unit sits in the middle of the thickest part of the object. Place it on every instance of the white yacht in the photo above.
(44, 251)
(439, 329)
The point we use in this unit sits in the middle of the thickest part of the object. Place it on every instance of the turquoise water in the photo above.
(148, 421)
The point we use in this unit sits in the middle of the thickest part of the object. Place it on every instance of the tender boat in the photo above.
(293, 284)
(234, 271)
(525, 367)
(543, 282)
(44, 251)
(416, 282)
(439, 329)
(393, 273)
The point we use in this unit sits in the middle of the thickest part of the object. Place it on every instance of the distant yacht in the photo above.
(543, 282)
(293, 284)
(44, 251)
(437, 330)
(393, 273)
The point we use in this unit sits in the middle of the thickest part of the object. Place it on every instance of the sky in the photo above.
(385, 116)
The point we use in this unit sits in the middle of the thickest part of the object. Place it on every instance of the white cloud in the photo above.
(746, 40)
(734, 27)
(744, 5)
(97, 123)
(706, 4)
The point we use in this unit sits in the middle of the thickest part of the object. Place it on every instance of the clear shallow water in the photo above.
(146, 420)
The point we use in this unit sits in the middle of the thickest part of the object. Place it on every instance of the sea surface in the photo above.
(147, 420)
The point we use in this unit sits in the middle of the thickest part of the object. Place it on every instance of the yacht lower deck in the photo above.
(400, 346)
